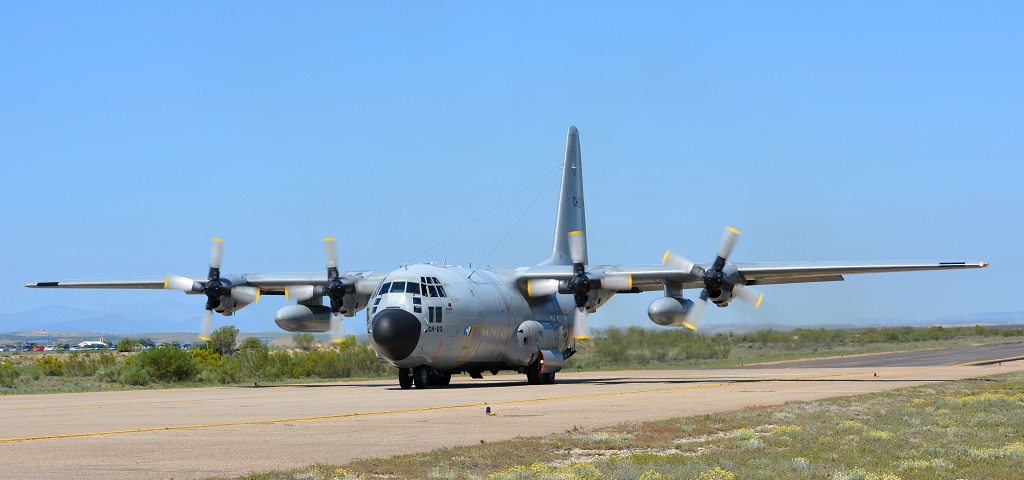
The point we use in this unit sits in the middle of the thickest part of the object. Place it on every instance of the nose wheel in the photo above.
(405, 378)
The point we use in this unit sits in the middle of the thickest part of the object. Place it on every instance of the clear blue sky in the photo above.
(132, 132)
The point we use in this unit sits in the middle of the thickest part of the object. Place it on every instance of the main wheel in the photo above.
(405, 378)
(547, 378)
(421, 377)
(533, 373)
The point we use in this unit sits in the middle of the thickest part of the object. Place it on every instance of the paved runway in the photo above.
(189, 433)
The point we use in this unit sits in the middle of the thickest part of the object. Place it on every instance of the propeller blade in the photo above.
(216, 252)
(246, 294)
(336, 336)
(696, 313)
(580, 327)
(177, 282)
(578, 247)
(677, 261)
(206, 328)
(747, 294)
(619, 282)
(331, 252)
(541, 288)
(299, 293)
(728, 242)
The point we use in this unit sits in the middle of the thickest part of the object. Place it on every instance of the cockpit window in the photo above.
(384, 288)
(432, 289)
(398, 287)
(440, 291)
(412, 287)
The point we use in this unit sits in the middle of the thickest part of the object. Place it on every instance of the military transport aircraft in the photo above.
(431, 321)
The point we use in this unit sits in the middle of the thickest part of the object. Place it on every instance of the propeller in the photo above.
(214, 289)
(335, 289)
(580, 284)
(716, 283)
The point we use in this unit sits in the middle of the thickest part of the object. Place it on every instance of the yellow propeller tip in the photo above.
(205, 339)
(337, 340)
(166, 279)
(759, 299)
(733, 230)
(582, 337)
(576, 232)
(258, 293)
(329, 239)
(286, 293)
(665, 258)
(218, 239)
(691, 327)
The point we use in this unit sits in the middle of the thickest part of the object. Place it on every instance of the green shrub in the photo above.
(86, 364)
(50, 366)
(167, 364)
(132, 374)
(8, 375)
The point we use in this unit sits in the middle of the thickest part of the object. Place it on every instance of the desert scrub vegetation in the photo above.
(251, 363)
(636, 347)
(963, 429)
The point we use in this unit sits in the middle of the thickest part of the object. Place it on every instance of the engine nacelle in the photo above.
(230, 305)
(669, 311)
(304, 318)
(533, 337)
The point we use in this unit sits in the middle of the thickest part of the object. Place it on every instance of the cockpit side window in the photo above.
(432, 289)
(413, 288)
(440, 291)
(384, 288)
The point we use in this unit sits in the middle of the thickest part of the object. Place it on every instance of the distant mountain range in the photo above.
(122, 319)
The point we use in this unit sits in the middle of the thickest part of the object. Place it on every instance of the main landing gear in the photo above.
(422, 377)
(534, 377)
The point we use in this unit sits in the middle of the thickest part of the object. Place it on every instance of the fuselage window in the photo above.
(434, 314)
(432, 289)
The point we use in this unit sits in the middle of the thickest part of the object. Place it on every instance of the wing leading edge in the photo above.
(653, 277)
(268, 283)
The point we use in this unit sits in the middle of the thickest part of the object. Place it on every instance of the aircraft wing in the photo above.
(652, 277)
(268, 283)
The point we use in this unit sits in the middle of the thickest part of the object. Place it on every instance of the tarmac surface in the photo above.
(190, 433)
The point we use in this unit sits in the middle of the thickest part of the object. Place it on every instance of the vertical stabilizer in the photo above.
(571, 214)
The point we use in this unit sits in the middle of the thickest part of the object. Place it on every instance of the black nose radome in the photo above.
(396, 333)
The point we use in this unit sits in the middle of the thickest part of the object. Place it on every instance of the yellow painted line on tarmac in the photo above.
(413, 410)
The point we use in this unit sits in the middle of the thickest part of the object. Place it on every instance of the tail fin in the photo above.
(571, 213)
